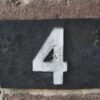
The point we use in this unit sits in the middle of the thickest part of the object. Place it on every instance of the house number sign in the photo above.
(50, 54)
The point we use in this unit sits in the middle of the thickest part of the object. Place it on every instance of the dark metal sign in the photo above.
(50, 54)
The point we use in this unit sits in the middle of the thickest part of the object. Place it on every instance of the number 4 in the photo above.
(57, 66)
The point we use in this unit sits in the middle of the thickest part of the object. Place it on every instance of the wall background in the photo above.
(49, 9)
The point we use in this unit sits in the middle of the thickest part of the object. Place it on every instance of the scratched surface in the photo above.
(20, 41)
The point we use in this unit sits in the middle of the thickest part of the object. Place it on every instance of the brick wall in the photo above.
(48, 9)
(33, 94)
(43, 9)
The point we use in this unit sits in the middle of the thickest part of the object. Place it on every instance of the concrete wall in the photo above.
(49, 9)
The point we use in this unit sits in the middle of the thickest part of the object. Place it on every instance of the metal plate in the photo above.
(20, 41)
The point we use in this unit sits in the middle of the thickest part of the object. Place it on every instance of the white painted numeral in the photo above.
(57, 66)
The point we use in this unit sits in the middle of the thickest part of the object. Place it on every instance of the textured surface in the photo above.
(50, 95)
(44, 9)
(21, 41)
(69, 97)
(47, 9)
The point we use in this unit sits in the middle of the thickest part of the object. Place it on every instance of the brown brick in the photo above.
(48, 9)
(10, 94)
(39, 97)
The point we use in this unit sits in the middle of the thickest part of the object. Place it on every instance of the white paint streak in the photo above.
(26, 1)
